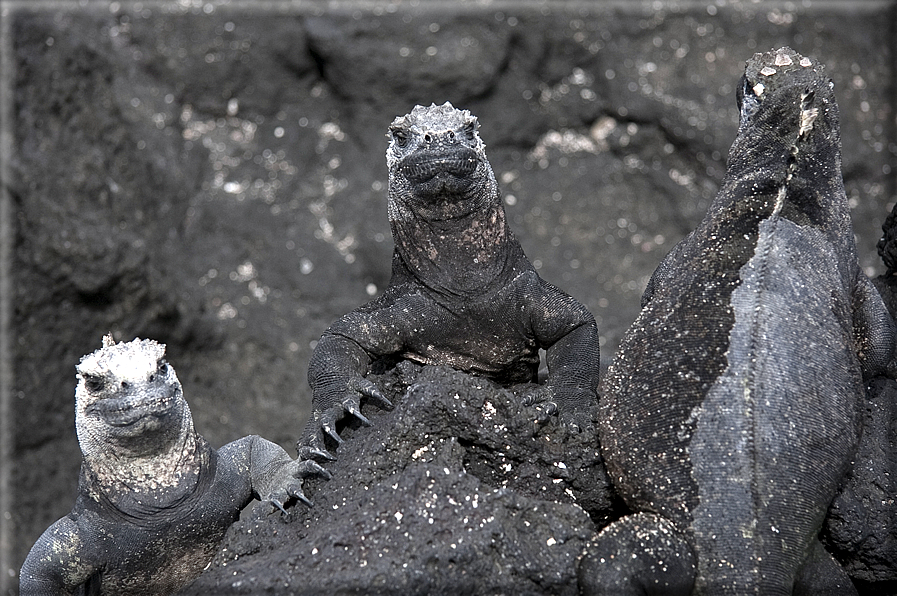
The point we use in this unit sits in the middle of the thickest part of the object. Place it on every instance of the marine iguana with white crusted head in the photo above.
(154, 499)
(462, 292)
(731, 412)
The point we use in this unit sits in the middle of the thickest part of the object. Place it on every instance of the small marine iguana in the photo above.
(462, 292)
(732, 410)
(154, 499)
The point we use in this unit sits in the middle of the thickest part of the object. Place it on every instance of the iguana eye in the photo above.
(807, 99)
(161, 370)
(94, 383)
(747, 97)
(400, 137)
(470, 130)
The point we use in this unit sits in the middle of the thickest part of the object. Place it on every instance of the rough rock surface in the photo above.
(861, 527)
(456, 490)
(210, 175)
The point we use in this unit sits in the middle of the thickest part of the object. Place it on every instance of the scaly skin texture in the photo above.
(154, 499)
(732, 410)
(462, 292)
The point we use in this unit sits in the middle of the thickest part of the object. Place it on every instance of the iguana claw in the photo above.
(328, 422)
(280, 506)
(368, 389)
(355, 411)
(308, 452)
(380, 401)
(300, 496)
(309, 468)
(331, 432)
(543, 413)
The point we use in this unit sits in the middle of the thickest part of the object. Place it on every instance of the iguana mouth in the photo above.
(130, 409)
(426, 165)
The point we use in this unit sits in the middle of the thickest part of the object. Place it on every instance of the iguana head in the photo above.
(129, 401)
(437, 165)
(786, 157)
(789, 94)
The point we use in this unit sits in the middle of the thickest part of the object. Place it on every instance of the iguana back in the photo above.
(731, 410)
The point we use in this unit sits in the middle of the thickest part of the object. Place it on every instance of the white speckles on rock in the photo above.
(443, 487)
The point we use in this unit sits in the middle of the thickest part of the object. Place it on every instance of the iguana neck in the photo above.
(134, 484)
(466, 257)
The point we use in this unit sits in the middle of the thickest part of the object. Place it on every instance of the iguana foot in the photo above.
(539, 403)
(548, 402)
(312, 446)
(288, 483)
(351, 404)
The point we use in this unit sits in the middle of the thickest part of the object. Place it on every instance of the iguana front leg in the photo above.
(568, 333)
(59, 562)
(336, 374)
(874, 331)
(272, 476)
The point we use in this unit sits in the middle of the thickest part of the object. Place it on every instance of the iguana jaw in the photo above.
(137, 411)
(443, 168)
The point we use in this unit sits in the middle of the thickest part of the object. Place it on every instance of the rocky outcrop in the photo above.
(456, 490)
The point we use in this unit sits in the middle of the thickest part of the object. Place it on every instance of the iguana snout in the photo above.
(795, 90)
(137, 402)
(443, 160)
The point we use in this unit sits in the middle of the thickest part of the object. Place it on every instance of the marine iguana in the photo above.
(462, 292)
(732, 409)
(154, 499)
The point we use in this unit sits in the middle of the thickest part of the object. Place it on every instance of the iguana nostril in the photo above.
(428, 138)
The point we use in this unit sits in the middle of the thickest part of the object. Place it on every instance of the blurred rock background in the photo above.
(212, 175)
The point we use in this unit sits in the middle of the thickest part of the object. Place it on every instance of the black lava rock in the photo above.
(455, 490)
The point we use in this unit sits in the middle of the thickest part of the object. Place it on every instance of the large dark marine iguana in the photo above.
(462, 292)
(154, 499)
(732, 409)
